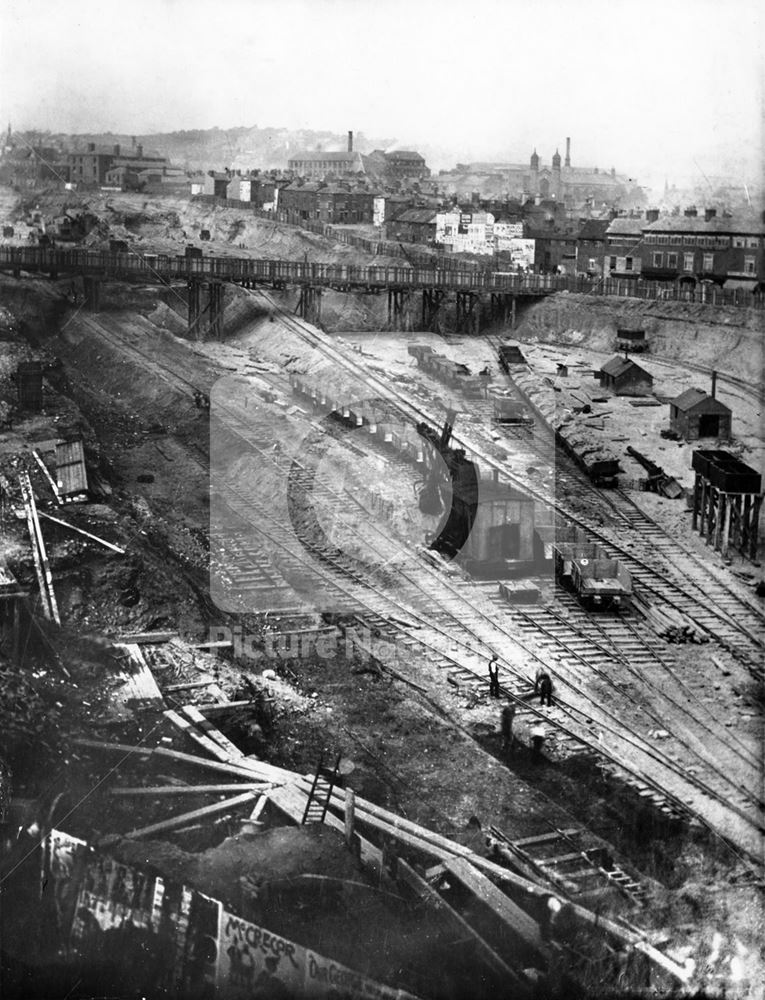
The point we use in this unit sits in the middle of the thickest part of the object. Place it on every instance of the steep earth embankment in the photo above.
(724, 338)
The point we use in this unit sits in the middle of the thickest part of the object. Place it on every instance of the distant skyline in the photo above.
(664, 89)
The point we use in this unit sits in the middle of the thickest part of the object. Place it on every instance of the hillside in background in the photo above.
(239, 148)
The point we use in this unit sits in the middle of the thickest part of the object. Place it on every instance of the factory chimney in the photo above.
(567, 161)
(350, 142)
(714, 385)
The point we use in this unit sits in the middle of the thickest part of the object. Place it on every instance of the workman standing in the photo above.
(494, 676)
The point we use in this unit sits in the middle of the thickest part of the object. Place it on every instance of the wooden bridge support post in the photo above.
(468, 316)
(216, 310)
(399, 309)
(194, 290)
(309, 304)
(92, 290)
(431, 305)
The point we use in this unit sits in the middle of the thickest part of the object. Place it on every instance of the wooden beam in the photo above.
(521, 924)
(81, 531)
(350, 797)
(247, 769)
(189, 686)
(175, 821)
(515, 985)
(193, 713)
(184, 789)
(51, 481)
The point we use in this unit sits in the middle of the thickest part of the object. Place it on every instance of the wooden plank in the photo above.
(247, 769)
(545, 838)
(141, 683)
(86, 534)
(526, 929)
(44, 596)
(183, 789)
(147, 638)
(224, 707)
(484, 953)
(292, 801)
(43, 553)
(175, 821)
(51, 481)
(213, 748)
(209, 729)
(189, 686)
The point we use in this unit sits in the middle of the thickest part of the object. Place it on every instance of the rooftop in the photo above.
(692, 397)
(618, 365)
(751, 225)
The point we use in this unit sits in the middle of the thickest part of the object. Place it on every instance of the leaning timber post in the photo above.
(512, 312)
(390, 308)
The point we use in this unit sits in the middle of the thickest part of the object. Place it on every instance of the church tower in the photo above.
(534, 173)
(556, 185)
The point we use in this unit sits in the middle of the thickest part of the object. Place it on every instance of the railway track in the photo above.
(455, 637)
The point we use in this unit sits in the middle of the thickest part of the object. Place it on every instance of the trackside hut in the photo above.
(625, 377)
(695, 414)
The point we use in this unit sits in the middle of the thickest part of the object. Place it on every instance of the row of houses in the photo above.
(385, 166)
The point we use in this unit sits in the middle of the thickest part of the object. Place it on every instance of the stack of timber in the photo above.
(670, 624)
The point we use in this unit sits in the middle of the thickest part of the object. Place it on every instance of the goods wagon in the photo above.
(601, 583)
(508, 410)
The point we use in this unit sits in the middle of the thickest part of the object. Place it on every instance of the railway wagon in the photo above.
(510, 354)
(601, 583)
(508, 410)
(565, 553)
(600, 464)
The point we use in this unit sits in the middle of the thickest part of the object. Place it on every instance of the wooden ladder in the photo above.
(324, 781)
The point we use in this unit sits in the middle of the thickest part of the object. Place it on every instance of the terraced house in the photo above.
(724, 250)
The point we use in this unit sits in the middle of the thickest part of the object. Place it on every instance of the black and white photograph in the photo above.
(382, 601)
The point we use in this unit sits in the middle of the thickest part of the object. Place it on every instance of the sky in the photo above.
(656, 88)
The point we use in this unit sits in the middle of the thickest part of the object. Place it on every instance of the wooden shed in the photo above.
(625, 377)
(695, 414)
(503, 529)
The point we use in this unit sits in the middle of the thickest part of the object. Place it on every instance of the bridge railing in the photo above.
(166, 267)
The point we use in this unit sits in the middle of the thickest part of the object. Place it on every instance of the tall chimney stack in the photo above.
(714, 385)
(568, 152)
(350, 142)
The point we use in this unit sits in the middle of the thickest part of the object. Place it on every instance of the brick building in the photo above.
(691, 248)
(591, 246)
(622, 256)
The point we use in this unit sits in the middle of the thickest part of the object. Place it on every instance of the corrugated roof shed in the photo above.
(618, 365)
(692, 397)
(70, 468)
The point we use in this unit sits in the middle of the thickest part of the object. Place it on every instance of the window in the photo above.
(628, 263)
(676, 241)
(671, 260)
(722, 242)
(709, 262)
(688, 259)
(749, 265)
(658, 259)
(612, 263)
(738, 242)
(752, 243)
(663, 239)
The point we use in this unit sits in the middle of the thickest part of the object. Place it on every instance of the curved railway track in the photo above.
(462, 627)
